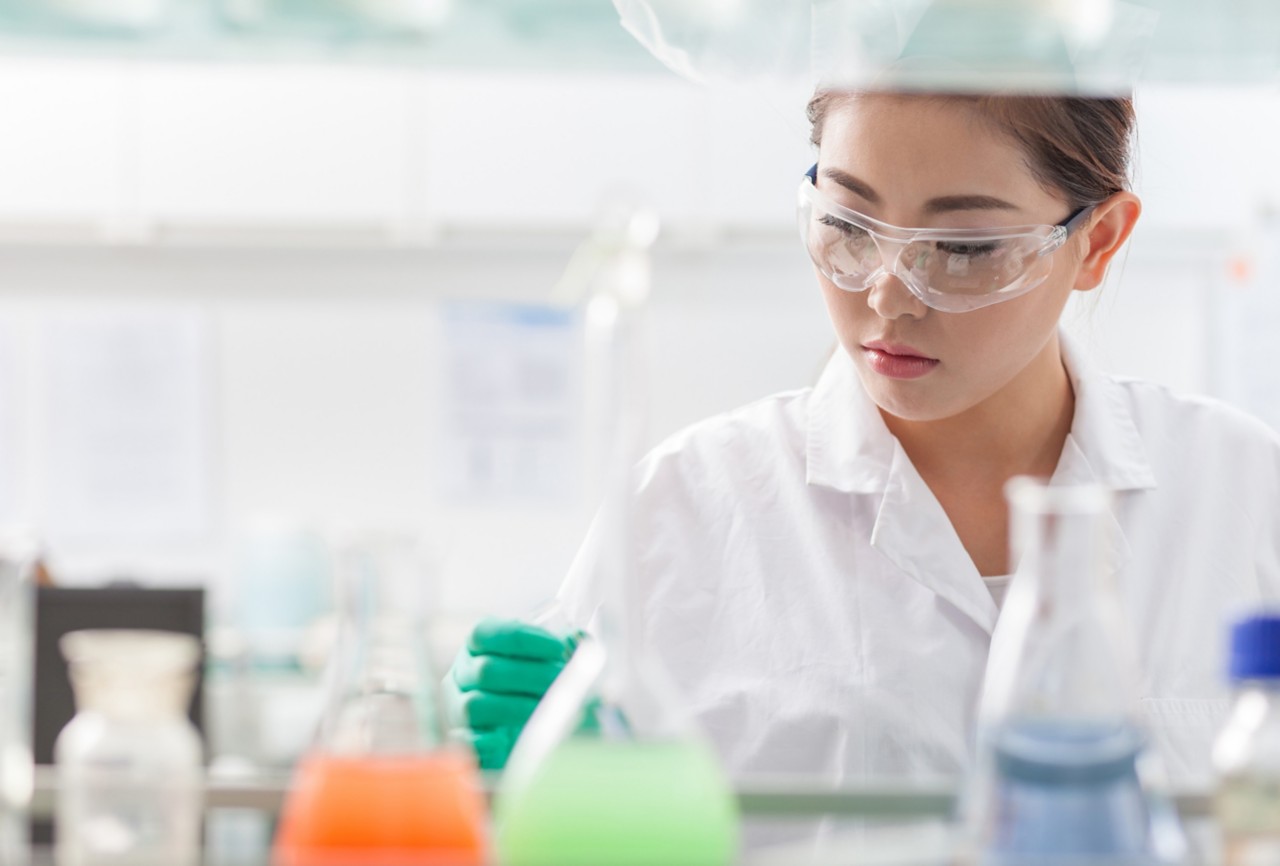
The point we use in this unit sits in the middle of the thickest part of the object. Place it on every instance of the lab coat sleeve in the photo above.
(1246, 471)
(675, 519)
(1268, 527)
(581, 594)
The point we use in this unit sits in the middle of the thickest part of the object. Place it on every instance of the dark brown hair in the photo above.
(1075, 146)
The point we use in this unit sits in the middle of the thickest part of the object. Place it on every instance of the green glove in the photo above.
(496, 682)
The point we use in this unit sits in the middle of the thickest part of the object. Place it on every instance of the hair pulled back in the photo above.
(1076, 146)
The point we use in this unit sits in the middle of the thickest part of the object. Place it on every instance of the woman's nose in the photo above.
(890, 298)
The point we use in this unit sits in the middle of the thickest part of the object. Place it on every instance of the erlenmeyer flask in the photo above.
(382, 786)
(610, 770)
(1063, 774)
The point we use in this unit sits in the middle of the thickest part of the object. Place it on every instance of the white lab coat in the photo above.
(812, 601)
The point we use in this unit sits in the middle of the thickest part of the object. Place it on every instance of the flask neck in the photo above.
(380, 699)
(1063, 554)
(1061, 650)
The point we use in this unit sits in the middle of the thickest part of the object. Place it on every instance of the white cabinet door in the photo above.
(264, 143)
(546, 151)
(60, 139)
(248, 146)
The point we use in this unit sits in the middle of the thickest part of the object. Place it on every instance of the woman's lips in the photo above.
(897, 362)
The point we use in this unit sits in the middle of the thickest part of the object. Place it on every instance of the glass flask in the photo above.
(1063, 773)
(1246, 754)
(610, 770)
(381, 786)
(129, 764)
(18, 552)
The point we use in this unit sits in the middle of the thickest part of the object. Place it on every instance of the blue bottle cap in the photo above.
(1255, 648)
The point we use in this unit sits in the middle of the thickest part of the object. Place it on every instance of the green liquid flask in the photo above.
(595, 802)
(610, 770)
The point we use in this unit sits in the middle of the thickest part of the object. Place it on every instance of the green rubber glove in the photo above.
(496, 682)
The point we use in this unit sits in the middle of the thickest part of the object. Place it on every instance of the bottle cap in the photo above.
(1255, 648)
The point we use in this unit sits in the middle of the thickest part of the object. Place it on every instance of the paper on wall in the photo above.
(127, 425)
(510, 415)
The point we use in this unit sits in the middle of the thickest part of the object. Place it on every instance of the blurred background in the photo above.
(255, 270)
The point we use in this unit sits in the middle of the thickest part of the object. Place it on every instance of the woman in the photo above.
(822, 570)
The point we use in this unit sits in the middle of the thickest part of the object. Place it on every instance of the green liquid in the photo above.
(598, 803)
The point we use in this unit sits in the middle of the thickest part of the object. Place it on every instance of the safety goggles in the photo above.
(951, 270)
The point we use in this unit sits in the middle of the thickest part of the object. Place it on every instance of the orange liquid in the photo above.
(423, 810)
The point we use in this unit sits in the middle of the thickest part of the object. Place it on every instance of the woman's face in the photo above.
(927, 163)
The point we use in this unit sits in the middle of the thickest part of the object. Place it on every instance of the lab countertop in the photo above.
(906, 820)
(776, 797)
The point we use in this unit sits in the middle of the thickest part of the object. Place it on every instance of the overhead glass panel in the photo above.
(1080, 46)
(1072, 46)
(492, 34)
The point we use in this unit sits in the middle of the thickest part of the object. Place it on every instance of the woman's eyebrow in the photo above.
(852, 184)
(940, 205)
(951, 203)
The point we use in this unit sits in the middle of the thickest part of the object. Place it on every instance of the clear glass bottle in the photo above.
(1246, 754)
(1063, 772)
(18, 553)
(129, 764)
(381, 785)
(610, 770)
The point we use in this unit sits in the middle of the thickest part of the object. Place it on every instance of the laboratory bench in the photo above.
(895, 824)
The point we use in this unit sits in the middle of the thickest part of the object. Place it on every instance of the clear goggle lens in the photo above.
(951, 271)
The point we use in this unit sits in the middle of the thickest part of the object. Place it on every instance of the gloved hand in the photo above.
(496, 682)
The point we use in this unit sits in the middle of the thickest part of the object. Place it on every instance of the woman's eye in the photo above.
(847, 229)
(963, 249)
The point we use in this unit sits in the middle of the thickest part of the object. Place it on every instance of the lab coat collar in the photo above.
(849, 448)
(1103, 430)
(914, 533)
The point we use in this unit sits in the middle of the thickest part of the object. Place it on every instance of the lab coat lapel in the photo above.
(1104, 446)
(914, 532)
(849, 448)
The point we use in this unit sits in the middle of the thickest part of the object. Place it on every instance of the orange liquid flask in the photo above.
(383, 812)
(381, 788)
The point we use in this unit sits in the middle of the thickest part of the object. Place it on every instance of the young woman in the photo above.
(821, 571)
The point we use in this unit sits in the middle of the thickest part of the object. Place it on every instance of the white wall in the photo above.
(325, 365)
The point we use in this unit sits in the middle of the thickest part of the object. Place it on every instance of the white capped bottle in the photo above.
(129, 764)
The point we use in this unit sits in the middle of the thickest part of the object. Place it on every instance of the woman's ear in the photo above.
(1109, 227)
